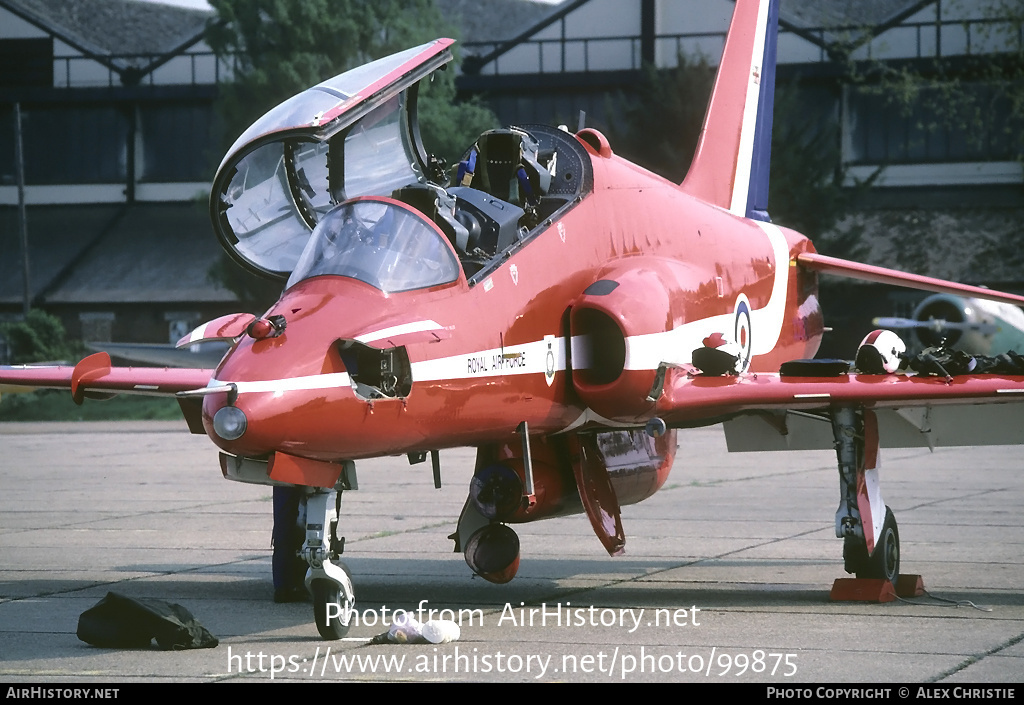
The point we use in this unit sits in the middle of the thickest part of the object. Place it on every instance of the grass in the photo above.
(56, 405)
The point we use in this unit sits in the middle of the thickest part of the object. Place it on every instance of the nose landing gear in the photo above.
(328, 578)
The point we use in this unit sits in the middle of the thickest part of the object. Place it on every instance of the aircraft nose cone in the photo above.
(305, 386)
(316, 417)
(253, 425)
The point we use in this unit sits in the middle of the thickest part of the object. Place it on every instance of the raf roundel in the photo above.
(742, 330)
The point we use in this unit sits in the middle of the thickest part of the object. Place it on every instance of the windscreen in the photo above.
(381, 243)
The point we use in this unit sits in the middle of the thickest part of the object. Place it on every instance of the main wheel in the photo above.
(884, 562)
(332, 604)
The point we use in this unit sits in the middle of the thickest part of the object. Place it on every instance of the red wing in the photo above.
(881, 275)
(95, 374)
(771, 412)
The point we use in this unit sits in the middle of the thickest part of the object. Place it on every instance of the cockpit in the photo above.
(335, 181)
(508, 188)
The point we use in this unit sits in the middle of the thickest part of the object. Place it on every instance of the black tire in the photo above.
(328, 592)
(884, 562)
(855, 555)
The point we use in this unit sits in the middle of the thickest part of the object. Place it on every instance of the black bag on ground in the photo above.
(123, 622)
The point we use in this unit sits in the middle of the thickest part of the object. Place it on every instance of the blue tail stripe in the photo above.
(757, 194)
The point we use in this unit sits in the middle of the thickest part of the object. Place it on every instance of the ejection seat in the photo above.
(435, 203)
(504, 163)
(498, 188)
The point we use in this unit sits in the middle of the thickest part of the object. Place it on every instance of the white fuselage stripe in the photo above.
(528, 358)
(197, 334)
(767, 323)
(394, 331)
(290, 384)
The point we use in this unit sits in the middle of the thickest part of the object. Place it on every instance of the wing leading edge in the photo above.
(95, 377)
(881, 275)
(772, 412)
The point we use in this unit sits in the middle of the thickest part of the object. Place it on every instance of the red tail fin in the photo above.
(730, 167)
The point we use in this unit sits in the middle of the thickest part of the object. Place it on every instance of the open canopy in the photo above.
(352, 135)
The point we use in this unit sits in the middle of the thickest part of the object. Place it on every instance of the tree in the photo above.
(662, 124)
(808, 189)
(662, 120)
(449, 126)
(281, 48)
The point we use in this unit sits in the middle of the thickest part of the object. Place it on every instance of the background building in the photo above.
(118, 137)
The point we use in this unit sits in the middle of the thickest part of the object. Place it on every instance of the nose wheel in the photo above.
(328, 579)
(333, 603)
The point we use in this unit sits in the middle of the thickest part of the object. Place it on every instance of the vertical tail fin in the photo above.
(730, 166)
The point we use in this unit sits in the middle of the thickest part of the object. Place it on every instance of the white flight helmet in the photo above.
(880, 352)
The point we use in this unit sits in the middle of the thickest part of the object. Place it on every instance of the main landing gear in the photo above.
(884, 563)
(871, 539)
(328, 578)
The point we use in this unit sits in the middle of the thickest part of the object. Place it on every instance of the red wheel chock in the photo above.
(875, 590)
(910, 585)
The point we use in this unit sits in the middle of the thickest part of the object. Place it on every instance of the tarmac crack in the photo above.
(150, 574)
(684, 564)
(727, 480)
(977, 658)
(398, 532)
(86, 523)
(958, 498)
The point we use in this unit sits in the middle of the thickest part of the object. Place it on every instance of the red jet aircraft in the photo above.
(546, 308)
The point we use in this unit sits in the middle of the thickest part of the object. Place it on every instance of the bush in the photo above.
(38, 338)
